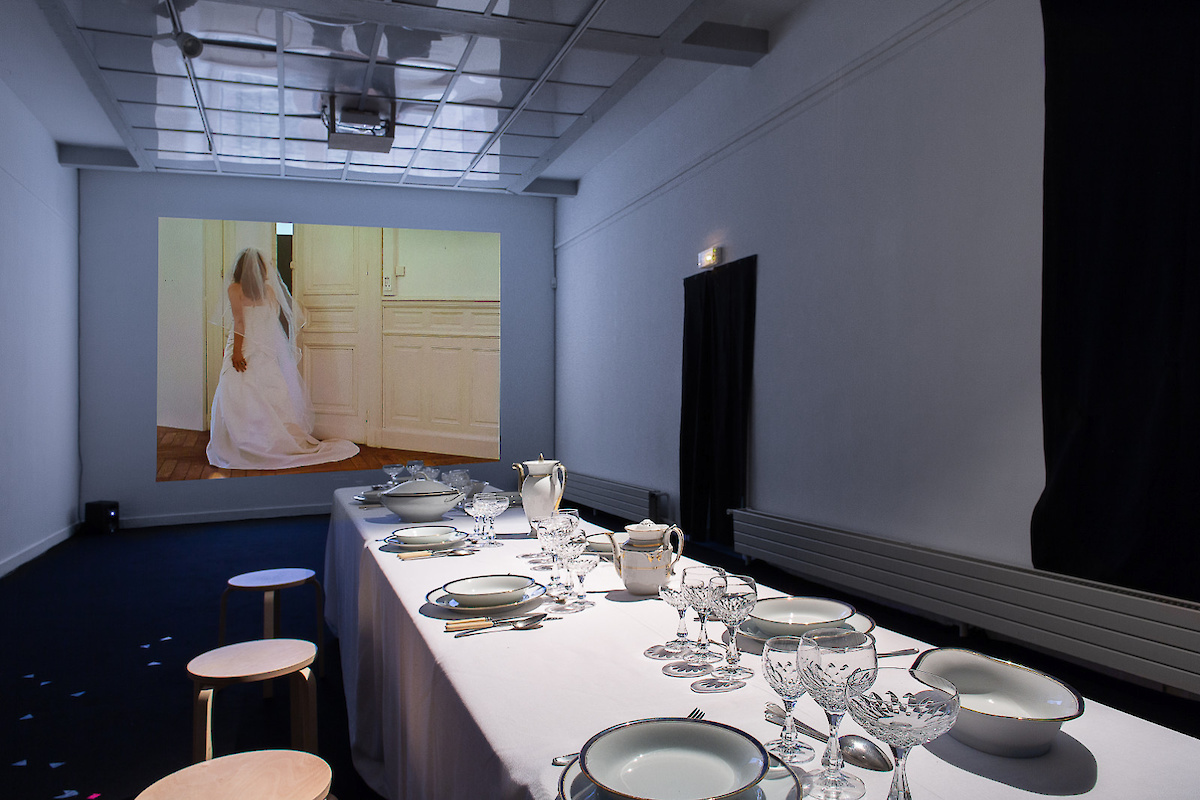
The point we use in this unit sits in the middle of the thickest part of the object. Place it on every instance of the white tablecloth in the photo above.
(433, 717)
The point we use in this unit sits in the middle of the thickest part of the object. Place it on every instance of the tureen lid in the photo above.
(419, 486)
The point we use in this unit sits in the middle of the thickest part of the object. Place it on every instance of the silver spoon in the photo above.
(524, 624)
(857, 750)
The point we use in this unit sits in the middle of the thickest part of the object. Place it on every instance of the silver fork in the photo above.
(564, 760)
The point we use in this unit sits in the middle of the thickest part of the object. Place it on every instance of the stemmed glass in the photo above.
(568, 544)
(698, 589)
(782, 667)
(836, 663)
(393, 471)
(905, 708)
(414, 467)
(497, 504)
(734, 597)
(579, 567)
(549, 532)
(672, 592)
(478, 508)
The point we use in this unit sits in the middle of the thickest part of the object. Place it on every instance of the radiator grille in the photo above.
(1144, 635)
(624, 500)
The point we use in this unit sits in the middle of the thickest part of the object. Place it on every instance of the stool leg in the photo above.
(304, 710)
(320, 628)
(202, 724)
(270, 626)
(221, 624)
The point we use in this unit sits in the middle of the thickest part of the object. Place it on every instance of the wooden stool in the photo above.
(269, 582)
(247, 662)
(258, 775)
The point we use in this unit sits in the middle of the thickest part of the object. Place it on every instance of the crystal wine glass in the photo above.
(697, 588)
(837, 662)
(672, 593)
(393, 471)
(782, 665)
(734, 597)
(478, 508)
(414, 467)
(905, 708)
(567, 544)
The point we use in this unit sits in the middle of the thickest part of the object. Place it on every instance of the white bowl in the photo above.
(424, 534)
(673, 759)
(420, 500)
(795, 616)
(1006, 709)
(488, 590)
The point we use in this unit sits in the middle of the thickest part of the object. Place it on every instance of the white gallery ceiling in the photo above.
(482, 95)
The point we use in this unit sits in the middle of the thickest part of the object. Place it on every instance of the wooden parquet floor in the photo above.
(181, 457)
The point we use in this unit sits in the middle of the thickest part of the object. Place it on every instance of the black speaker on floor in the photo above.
(101, 516)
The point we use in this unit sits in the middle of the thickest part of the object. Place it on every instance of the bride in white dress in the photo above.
(262, 417)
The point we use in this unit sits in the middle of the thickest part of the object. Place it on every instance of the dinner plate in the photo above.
(446, 544)
(442, 600)
(859, 622)
(671, 758)
(778, 784)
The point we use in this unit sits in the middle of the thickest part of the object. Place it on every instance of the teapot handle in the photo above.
(561, 472)
(521, 474)
(674, 529)
(616, 552)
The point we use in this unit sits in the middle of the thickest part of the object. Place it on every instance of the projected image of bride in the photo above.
(262, 417)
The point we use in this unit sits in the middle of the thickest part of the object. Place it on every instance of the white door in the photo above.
(335, 276)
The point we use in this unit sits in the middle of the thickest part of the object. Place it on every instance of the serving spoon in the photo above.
(857, 750)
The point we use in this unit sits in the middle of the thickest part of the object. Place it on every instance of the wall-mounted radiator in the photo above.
(1154, 638)
(624, 500)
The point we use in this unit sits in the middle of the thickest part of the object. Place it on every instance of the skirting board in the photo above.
(34, 550)
(224, 515)
(1154, 638)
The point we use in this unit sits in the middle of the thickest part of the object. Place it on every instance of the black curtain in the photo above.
(1121, 298)
(718, 367)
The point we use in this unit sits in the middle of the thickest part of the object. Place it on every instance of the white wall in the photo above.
(181, 324)
(118, 235)
(39, 393)
(884, 163)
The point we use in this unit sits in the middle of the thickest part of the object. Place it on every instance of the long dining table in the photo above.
(438, 717)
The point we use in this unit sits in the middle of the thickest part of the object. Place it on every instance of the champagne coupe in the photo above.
(672, 593)
(905, 708)
(698, 590)
(734, 597)
(497, 505)
(782, 666)
(579, 567)
(836, 663)
(393, 471)
(414, 467)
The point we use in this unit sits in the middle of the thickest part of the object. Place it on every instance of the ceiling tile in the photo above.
(318, 35)
(374, 174)
(638, 16)
(148, 115)
(592, 67)
(509, 59)
(316, 152)
(469, 118)
(322, 74)
(541, 123)
(487, 90)
(417, 48)
(409, 83)
(433, 159)
(567, 98)
(396, 157)
(518, 145)
(455, 141)
(567, 12)
(250, 166)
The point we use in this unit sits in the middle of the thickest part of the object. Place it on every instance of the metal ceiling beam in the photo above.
(739, 46)
(688, 24)
(72, 41)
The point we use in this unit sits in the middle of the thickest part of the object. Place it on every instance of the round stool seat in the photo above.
(266, 579)
(258, 775)
(246, 662)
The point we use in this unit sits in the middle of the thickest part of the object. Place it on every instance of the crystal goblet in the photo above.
(414, 467)
(579, 567)
(837, 662)
(698, 589)
(905, 708)
(672, 593)
(497, 505)
(393, 471)
(734, 597)
(782, 666)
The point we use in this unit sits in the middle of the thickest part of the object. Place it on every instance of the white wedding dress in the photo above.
(261, 417)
